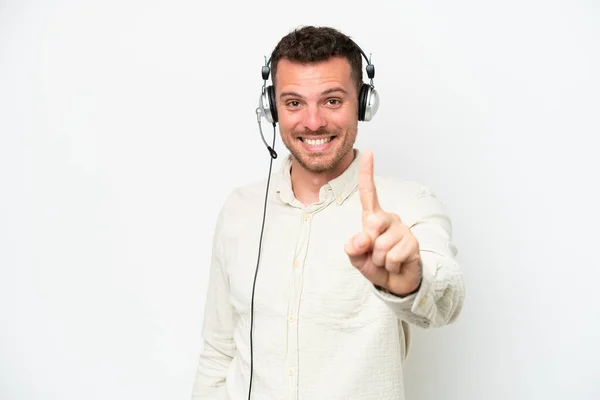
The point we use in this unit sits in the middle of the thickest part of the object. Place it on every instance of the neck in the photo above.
(306, 184)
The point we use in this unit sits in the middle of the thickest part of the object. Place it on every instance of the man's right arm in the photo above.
(217, 330)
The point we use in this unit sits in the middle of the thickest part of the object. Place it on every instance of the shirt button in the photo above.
(422, 301)
(290, 371)
(296, 263)
(339, 199)
(306, 217)
(291, 318)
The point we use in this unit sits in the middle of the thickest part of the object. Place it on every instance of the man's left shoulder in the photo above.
(402, 188)
(411, 200)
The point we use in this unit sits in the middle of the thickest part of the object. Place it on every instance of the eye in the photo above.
(293, 103)
(333, 102)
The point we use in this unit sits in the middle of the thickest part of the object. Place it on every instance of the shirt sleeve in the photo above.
(440, 298)
(217, 331)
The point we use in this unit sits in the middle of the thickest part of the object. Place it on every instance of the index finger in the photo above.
(366, 184)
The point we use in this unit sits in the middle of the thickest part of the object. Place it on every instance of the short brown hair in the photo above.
(313, 44)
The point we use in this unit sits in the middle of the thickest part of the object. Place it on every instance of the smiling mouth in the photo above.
(317, 142)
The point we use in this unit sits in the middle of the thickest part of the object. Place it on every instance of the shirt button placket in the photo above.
(292, 318)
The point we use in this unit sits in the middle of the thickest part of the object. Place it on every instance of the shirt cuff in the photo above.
(417, 308)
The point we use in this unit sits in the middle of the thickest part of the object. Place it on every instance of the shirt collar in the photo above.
(341, 187)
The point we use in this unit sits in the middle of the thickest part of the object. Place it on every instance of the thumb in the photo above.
(357, 248)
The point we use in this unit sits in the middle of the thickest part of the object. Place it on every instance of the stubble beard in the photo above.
(318, 163)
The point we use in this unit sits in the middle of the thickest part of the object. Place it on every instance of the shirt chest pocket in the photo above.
(336, 296)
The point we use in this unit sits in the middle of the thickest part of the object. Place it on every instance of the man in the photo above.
(348, 260)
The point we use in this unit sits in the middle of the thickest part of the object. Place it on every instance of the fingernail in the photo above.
(359, 240)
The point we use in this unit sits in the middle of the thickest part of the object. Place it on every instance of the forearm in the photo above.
(439, 299)
(211, 374)
(440, 296)
(217, 331)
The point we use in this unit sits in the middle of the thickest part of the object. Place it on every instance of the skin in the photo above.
(320, 100)
(316, 100)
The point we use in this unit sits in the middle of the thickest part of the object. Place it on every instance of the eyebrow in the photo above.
(325, 92)
(334, 90)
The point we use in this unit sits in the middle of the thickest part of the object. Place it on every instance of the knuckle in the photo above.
(394, 257)
(393, 267)
(414, 246)
(381, 244)
(405, 230)
(374, 220)
(377, 260)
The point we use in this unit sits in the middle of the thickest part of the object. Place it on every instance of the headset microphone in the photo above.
(271, 150)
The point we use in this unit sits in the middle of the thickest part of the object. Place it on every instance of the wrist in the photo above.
(415, 290)
(401, 295)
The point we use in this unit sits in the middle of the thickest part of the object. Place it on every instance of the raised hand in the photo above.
(385, 252)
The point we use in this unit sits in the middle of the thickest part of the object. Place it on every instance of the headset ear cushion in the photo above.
(362, 101)
(271, 96)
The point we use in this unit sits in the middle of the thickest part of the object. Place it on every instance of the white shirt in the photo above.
(321, 329)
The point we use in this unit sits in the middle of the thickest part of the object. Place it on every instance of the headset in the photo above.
(368, 104)
(368, 98)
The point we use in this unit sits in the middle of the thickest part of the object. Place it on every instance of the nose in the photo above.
(314, 119)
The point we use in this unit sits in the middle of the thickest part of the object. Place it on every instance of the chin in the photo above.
(317, 167)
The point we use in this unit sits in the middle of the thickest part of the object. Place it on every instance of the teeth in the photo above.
(317, 142)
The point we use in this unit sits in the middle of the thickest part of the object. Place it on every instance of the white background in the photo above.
(125, 124)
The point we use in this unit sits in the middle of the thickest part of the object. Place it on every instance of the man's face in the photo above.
(317, 105)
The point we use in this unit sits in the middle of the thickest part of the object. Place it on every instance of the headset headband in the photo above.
(266, 70)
